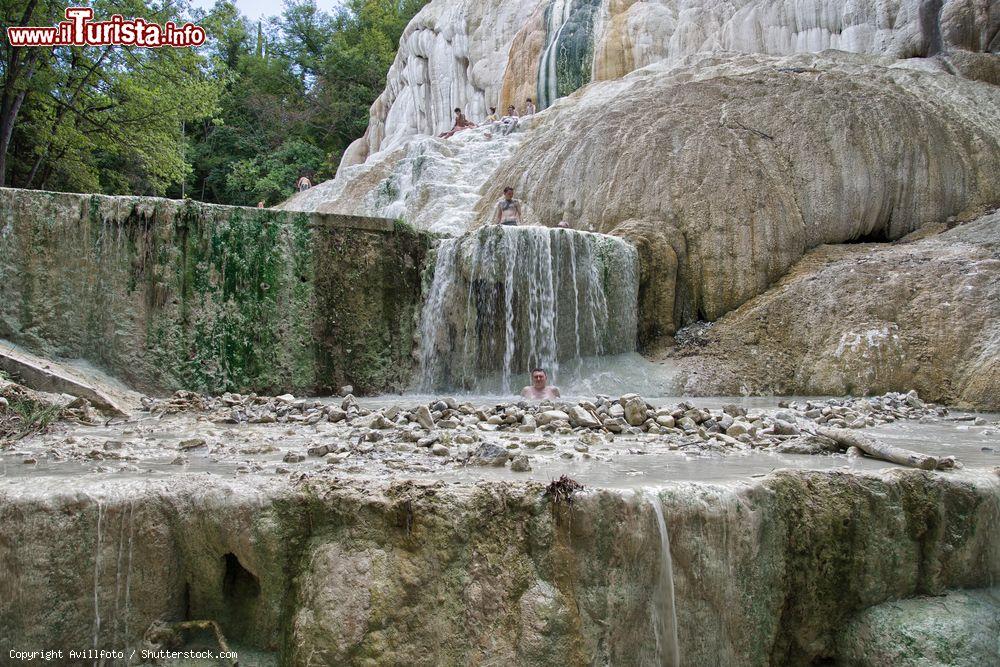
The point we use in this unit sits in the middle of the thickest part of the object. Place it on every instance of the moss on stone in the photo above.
(171, 295)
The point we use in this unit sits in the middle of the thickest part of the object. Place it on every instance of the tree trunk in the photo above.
(879, 450)
(11, 99)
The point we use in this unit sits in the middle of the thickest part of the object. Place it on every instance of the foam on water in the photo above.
(507, 299)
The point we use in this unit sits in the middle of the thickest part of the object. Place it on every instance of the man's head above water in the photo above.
(539, 389)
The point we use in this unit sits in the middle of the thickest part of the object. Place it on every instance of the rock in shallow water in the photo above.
(550, 416)
(520, 464)
(489, 454)
(635, 411)
(424, 418)
(580, 417)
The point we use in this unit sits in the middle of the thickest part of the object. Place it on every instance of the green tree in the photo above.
(271, 177)
(105, 119)
(235, 121)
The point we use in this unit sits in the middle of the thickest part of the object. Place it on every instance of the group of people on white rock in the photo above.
(504, 124)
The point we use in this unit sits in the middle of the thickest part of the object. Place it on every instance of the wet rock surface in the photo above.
(958, 629)
(335, 570)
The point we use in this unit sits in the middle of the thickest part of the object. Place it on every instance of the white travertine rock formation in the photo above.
(745, 163)
(431, 183)
(452, 54)
(475, 54)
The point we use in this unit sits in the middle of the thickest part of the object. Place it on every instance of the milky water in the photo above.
(636, 462)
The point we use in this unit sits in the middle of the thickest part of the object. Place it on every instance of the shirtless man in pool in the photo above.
(508, 209)
(539, 389)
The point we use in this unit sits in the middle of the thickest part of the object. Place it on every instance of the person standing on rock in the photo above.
(508, 209)
(539, 389)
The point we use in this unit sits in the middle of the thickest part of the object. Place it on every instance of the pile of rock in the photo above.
(461, 431)
(867, 412)
(629, 415)
(231, 408)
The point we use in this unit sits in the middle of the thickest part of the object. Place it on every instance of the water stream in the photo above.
(506, 299)
(566, 62)
(663, 612)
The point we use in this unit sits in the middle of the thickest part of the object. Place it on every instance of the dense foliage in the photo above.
(236, 121)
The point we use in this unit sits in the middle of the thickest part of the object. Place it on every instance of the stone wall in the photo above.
(170, 294)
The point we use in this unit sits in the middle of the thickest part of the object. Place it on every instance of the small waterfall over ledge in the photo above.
(663, 611)
(507, 299)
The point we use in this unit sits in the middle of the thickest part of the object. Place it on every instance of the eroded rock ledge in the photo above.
(922, 313)
(335, 571)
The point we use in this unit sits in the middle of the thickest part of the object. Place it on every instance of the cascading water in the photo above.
(116, 628)
(97, 577)
(663, 612)
(507, 299)
(567, 60)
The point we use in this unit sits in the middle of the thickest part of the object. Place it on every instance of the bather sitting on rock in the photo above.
(539, 389)
(461, 123)
(509, 122)
(508, 209)
(492, 123)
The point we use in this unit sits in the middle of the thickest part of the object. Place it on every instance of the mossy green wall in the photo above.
(168, 295)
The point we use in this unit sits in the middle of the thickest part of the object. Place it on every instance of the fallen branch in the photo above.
(879, 450)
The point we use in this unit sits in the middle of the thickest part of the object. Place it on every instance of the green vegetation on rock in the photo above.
(170, 295)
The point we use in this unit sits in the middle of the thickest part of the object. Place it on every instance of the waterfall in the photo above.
(506, 299)
(566, 62)
(97, 576)
(110, 627)
(663, 610)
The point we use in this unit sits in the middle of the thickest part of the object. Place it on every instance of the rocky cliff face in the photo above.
(852, 319)
(475, 54)
(173, 295)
